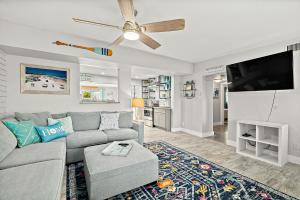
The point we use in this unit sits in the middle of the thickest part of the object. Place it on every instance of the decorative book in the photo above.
(117, 149)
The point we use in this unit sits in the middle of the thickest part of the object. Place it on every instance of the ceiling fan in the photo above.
(133, 31)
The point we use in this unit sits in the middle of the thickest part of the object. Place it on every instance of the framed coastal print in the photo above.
(38, 79)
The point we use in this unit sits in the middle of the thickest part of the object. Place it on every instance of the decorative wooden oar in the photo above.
(97, 50)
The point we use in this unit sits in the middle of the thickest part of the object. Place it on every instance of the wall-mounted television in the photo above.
(274, 72)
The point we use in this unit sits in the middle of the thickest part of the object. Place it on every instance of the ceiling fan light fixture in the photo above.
(131, 35)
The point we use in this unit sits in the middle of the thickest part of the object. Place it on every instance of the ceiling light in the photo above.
(131, 35)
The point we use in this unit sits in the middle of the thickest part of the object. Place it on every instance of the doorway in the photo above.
(220, 108)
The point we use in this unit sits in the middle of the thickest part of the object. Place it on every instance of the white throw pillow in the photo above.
(66, 123)
(109, 121)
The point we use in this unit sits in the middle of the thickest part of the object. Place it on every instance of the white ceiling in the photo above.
(213, 27)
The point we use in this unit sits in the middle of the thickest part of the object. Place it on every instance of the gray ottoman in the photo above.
(107, 176)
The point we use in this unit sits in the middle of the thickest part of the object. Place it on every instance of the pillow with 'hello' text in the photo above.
(52, 132)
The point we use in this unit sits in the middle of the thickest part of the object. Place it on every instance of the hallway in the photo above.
(220, 133)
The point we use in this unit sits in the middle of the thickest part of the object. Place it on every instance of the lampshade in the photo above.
(137, 102)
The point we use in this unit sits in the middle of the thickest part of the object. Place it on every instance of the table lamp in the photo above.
(137, 103)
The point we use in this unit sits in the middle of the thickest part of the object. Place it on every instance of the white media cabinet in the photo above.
(269, 142)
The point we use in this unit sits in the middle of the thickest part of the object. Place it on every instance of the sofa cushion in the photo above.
(35, 153)
(24, 131)
(59, 115)
(8, 141)
(83, 121)
(109, 121)
(40, 119)
(86, 138)
(66, 123)
(64, 140)
(4, 116)
(125, 119)
(51, 132)
(121, 134)
(36, 181)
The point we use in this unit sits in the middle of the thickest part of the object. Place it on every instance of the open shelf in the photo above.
(268, 135)
(245, 148)
(270, 139)
(267, 152)
(251, 138)
(247, 128)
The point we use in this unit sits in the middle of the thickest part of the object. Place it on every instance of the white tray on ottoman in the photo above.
(107, 176)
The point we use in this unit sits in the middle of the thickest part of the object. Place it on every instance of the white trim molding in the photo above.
(231, 143)
(174, 130)
(208, 134)
(294, 159)
(192, 132)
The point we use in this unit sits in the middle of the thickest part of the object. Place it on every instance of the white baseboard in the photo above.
(208, 134)
(176, 130)
(231, 143)
(218, 123)
(291, 158)
(294, 159)
(192, 132)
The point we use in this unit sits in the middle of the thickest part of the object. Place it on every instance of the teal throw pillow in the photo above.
(24, 132)
(52, 132)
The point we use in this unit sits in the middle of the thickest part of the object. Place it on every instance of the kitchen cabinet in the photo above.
(162, 118)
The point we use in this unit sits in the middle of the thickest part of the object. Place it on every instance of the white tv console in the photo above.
(269, 142)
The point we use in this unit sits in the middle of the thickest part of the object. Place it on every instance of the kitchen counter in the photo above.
(162, 117)
(162, 107)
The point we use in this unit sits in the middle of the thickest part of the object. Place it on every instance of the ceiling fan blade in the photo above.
(127, 10)
(95, 23)
(149, 41)
(117, 42)
(165, 26)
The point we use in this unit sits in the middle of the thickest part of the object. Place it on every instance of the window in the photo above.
(99, 85)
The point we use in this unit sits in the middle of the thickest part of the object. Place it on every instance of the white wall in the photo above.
(256, 105)
(176, 101)
(191, 112)
(196, 113)
(136, 88)
(3, 82)
(58, 103)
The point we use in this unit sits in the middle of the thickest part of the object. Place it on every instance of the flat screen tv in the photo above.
(274, 72)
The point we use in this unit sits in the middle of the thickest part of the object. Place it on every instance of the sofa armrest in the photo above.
(139, 127)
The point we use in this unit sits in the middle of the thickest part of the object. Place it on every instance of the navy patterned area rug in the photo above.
(193, 178)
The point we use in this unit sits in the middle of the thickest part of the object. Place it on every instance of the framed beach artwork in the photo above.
(38, 79)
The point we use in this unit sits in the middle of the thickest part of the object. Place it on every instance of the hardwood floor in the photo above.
(285, 179)
(220, 133)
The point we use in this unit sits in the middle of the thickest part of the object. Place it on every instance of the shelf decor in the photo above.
(189, 89)
(164, 87)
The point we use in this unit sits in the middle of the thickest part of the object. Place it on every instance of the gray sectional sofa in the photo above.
(36, 171)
